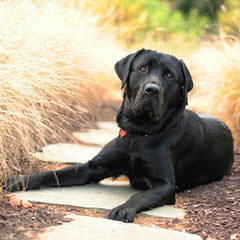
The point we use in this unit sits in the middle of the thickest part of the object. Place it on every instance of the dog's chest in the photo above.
(140, 160)
(148, 149)
(138, 144)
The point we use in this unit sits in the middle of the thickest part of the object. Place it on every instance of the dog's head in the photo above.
(154, 83)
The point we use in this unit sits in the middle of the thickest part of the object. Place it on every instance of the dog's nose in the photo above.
(152, 89)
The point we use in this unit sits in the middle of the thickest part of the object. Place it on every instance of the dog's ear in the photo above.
(187, 83)
(123, 67)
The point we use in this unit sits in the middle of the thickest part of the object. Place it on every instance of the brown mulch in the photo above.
(22, 224)
(212, 211)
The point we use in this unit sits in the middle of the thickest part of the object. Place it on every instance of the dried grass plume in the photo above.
(52, 58)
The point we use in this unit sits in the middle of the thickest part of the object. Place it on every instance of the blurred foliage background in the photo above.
(136, 20)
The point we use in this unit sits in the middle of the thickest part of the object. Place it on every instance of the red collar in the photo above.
(122, 133)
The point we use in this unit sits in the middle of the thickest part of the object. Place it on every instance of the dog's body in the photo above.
(161, 148)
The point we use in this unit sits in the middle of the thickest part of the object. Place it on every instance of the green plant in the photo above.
(138, 19)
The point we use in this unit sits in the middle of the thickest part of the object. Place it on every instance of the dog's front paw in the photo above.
(122, 213)
(14, 183)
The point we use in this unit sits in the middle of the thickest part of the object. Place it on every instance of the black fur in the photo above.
(166, 148)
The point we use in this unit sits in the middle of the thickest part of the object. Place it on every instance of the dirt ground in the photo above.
(212, 211)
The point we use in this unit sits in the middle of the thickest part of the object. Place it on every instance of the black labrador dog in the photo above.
(162, 148)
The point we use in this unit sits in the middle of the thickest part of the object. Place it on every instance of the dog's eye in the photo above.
(143, 69)
(169, 75)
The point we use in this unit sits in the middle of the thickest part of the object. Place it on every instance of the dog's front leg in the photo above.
(161, 194)
(111, 161)
(160, 176)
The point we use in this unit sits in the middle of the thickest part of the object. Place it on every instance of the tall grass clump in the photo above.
(216, 70)
(54, 62)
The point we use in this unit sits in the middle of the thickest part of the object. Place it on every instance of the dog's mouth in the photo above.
(150, 115)
(149, 107)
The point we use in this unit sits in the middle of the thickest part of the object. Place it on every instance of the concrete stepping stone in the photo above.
(105, 195)
(67, 153)
(95, 136)
(106, 132)
(89, 228)
(110, 126)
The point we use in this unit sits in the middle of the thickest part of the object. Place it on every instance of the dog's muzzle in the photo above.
(148, 101)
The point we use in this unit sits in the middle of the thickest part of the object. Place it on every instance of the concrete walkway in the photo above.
(89, 228)
(106, 132)
(80, 153)
(106, 195)
(67, 153)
